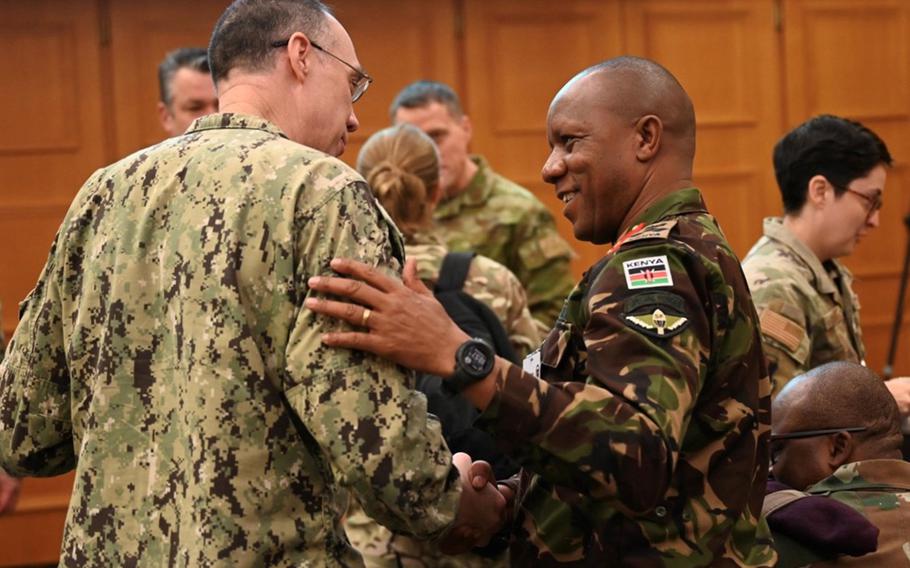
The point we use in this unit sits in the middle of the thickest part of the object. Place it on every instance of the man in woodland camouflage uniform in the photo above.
(165, 353)
(645, 436)
(482, 211)
(837, 434)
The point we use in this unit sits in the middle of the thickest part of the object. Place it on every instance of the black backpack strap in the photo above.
(454, 271)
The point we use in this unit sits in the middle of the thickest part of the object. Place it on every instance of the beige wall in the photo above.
(79, 90)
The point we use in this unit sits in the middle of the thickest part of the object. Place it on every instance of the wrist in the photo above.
(447, 352)
(473, 362)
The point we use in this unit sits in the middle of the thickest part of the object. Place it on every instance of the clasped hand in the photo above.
(483, 510)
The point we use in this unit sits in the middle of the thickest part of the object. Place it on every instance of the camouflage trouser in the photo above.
(383, 549)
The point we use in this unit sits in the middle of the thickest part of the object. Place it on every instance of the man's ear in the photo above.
(648, 130)
(466, 126)
(840, 449)
(298, 49)
(165, 117)
(817, 191)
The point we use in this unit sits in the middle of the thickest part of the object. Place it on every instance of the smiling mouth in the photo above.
(568, 197)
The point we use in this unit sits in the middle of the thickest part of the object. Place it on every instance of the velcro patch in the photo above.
(660, 230)
(781, 328)
(649, 272)
(658, 314)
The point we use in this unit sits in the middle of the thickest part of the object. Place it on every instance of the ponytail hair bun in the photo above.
(401, 166)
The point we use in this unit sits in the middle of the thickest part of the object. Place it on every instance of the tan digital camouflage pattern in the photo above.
(165, 354)
(808, 311)
(880, 490)
(503, 221)
(496, 286)
(383, 549)
(488, 281)
(645, 450)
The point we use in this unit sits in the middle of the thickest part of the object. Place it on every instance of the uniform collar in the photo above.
(477, 193)
(866, 475)
(677, 203)
(775, 230)
(222, 121)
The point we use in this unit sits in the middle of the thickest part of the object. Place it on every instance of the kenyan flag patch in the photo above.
(649, 272)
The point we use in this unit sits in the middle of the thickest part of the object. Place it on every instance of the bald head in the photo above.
(841, 395)
(633, 87)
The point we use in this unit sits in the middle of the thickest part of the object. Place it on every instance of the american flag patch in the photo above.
(650, 272)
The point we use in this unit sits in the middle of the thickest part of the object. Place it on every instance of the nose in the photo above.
(554, 168)
(352, 122)
(874, 219)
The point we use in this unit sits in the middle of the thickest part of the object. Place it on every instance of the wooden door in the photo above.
(852, 59)
(54, 136)
(518, 53)
(142, 32)
(54, 131)
(397, 42)
(726, 56)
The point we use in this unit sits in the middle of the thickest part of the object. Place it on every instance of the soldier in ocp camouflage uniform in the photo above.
(487, 281)
(165, 353)
(831, 175)
(808, 310)
(401, 165)
(642, 423)
(837, 434)
(482, 211)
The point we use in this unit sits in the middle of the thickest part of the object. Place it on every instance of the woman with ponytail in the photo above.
(401, 165)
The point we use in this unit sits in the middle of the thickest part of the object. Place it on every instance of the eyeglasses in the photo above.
(360, 84)
(873, 202)
(813, 433)
(776, 449)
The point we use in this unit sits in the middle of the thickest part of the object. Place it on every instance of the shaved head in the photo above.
(839, 395)
(633, 87)
(622, 136)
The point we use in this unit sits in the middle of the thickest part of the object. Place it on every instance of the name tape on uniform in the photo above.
(650, 272)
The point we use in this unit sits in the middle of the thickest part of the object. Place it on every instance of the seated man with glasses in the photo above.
(831, 173)
(836, 441)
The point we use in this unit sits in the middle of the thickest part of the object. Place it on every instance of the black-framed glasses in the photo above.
(778, 447)
(813, 433)
(873, 202)
(359, 85)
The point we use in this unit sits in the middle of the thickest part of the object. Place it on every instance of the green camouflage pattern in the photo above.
(808, 311)
(504, 221)
(166, 355)
(642, 449)
(496, 286)
(880, 490)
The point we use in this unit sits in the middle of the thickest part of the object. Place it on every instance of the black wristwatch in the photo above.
(473, 362)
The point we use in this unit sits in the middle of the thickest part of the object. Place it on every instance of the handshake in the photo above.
(484, 509)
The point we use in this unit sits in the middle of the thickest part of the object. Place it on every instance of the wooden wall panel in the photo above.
(53, 134)
(142, 32)
(33, 533)
(518, 54)
(853, 59)
(397, 42)
(726, 56)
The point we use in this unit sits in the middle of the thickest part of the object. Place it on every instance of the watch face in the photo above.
(474, 359)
